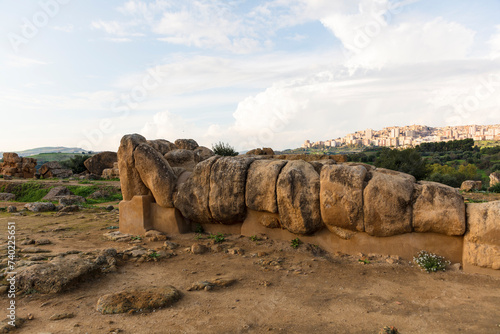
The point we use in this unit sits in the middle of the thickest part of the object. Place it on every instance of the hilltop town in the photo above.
(410, 136)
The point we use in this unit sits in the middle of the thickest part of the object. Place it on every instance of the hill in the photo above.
(40, 150)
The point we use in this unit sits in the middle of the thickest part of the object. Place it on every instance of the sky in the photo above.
(252, 73)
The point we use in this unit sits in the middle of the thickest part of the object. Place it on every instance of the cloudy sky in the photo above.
(249, 72)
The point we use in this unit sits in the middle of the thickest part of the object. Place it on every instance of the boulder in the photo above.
(40, 206)
(162, 146)
(494, 179)
(13, 165)
(471, 185)
(260, 193)
(387, 204)
(186, 144)
(101, 161)
(318, 165)
(341, 196)
(142, 299)
(55, 193)
(71, 200)
(202, 153)
(181, 158)
(192, 198)
(130, 181)
(482, 239)
(60, 274)
(54, 169)
(438, 208)
(156, 174)
(7, 197)
(227, 189)
(111, 173)
(298, 198)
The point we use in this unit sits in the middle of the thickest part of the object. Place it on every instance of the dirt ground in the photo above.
(279, 289)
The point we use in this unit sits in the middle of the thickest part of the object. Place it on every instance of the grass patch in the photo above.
(29, 192)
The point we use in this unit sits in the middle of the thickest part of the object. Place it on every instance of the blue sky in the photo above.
(252, 73)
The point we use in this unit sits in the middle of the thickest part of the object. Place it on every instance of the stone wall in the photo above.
(342, 206)
(13, 165)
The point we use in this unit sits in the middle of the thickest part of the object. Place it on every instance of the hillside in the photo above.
(40, 150)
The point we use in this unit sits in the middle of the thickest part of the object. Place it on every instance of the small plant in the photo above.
(199, 229)
(198, 237)
(218, 238)
(389, 330)
(154, 255)
(136, 237)
(295, 243)
(254, 238)
(224, 149)
(112, 227)
(364, 261)
(430, 262)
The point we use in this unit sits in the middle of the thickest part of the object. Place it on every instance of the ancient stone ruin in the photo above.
(340, 206)
(15, 166)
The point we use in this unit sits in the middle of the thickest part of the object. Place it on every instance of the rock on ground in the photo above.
(471, 185)
(40, 206)
(7, 197)
(212, 284)
(145, 299)
(101, 161)
(56, 192)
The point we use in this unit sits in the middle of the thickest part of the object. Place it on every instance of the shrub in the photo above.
(389, 330)
(495, 188)
(295, 243)
(76, 163)
(430, 262)
(224, 149)
(407, 161)
(218, 238)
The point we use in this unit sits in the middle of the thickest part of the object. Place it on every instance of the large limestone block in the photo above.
(482, 240)
(439, 209)
(181, 158)
(130, 181)
(341, 196)
(156, 174)
(261, 185)
(471, 185)
(99, 162)
(298, 198)
(186, 144)
(494, 178)
(227, 189)
(161, 145)
(387, 204)
(192, 196)
(202, 153)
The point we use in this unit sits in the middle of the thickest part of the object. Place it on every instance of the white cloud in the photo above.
(66, 28)
(17, 61)
(494, 43)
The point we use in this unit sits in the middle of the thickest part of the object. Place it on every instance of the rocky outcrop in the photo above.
(13, 165)
(439, 209)
(101, 161)
(161, 145)
(111, 173)
(261, 151)
(186, 144)
(261, 185)
(7, 197)
(471, 185)
(156, 174)
(494, 179)
(192, 198)
(341, 196)
(130, 180)
(181, 158)
(298, 198)
(482, 240)
(55, 193)
(387, 205)
(228, 178)
(202, 153)
(40, 206)
(53, 169)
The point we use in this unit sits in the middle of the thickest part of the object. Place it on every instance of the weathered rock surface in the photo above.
(181, 158)
(55, 193)
(482, 240)
(192, 198)
(13, 165)
(212, 284)
(298, 198)
(54, 169)
(471, 185)
(7, 197)
(494, 179)
(71, 200)
(99, 162)
(227, 189)
(131, 183)
(261, 151)
(341, 196)
(111, 173)
(439, 209)
(162, 146)
(186, 144)
(318, 165)
(202, 153)
(387, 204)
(57, 275)
(145, 299)
(156, 174)
(40, 206)
(261, 185)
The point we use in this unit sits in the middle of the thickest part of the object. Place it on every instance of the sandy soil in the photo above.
(284, 290)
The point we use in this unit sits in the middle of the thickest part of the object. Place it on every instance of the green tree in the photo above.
(224, 149)
(407, 161)
(76, 163)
